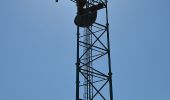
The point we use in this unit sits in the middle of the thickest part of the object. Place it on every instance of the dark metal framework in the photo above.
(93, 66)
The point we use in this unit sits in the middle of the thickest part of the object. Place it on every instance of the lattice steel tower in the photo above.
(93, 66)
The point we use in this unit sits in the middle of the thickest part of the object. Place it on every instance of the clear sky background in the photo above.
(38, 49)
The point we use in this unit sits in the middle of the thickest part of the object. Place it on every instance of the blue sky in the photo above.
(38, 49)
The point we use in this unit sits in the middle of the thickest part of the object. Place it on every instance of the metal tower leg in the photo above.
(77, 66)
